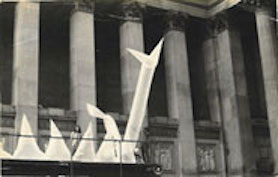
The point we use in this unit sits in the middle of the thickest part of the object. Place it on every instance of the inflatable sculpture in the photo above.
(110, 147)
(27, 147)
(86, 152)
(109, 150)
(139, 104)
(57, 148)
(114, 148)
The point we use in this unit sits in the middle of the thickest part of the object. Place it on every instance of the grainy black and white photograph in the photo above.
(139, 88)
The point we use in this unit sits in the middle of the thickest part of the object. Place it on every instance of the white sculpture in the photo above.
(27, 147)
(139, 104)
(109, 150)
(112, 147)
(57, 148)
(86, 152)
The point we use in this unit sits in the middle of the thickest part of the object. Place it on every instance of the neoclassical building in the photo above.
(213, 106)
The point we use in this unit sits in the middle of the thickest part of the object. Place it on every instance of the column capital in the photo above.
(84, 6)
(215, 25)
(175, 21)
(220, 23)
(132, 11)
(209, 29)
(258, 3)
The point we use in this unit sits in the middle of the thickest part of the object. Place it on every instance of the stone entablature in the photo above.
(207, 130)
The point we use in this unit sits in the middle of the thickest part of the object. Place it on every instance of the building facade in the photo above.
(213, 104)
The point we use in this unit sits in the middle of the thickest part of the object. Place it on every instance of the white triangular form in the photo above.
(27, 147)
(109, 150)
(57, 148)
(95, 112)
(4, 154)
(151, 60)
(128, 155)
(85, 152)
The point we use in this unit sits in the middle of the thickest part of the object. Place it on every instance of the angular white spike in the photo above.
(109, 150)
(25, 128)
(4, 154)
(155, 54)
(151, 60)
(143, 58)
(94, 111)
(57, 148)
(85, 152)
(140, 99)
(27, 147)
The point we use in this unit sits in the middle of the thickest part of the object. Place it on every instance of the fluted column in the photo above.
(26, 63)
(234, 100)
(179, 93)
(209, 53)
(131, 36)
(213, 96)
(82, 62)
(2, 56)
(268, 51)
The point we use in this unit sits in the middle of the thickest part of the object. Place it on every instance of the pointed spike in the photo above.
(95, 112)
(151, 60)
(52, 152)
(155, 54)
(25, 126)
(54, 131)
(27, 147)
(143, 58)
(86, 149)
(4, 154)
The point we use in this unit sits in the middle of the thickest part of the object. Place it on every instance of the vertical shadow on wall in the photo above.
(54, 82)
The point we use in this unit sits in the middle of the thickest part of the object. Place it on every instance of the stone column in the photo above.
(234, 100)
(210, 59)
(268, 51)
(26, 63)
(82, 63)
(131, 36)
(179, 93)
(209, 53)
(2, 55)
(276, 17)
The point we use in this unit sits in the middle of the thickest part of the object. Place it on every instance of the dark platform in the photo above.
(53, 168)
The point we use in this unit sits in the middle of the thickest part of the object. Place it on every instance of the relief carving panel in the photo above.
(163, 155)
(206, 157)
